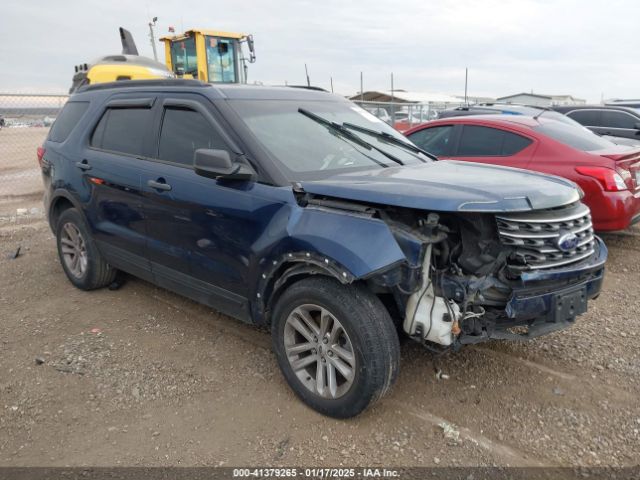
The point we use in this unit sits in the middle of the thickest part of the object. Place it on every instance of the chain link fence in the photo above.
(25, 120)
(403, 116)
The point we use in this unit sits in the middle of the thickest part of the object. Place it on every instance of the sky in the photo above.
(588, 48)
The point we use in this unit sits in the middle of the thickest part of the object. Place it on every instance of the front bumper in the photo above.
(549, 300)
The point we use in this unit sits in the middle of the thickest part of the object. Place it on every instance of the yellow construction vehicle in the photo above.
(125, 66)
(209, 55)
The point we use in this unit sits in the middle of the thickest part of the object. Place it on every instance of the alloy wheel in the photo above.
(319, 351)
(74, 250)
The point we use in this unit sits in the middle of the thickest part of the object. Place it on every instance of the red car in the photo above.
(608, 174)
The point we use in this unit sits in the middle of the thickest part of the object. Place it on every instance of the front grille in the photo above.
(547, 238)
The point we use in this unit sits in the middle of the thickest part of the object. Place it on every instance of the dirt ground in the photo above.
(141, 376)
(20, 180)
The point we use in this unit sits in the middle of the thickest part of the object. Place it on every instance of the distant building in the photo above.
(471, 100)
(403, 96)
(539, 100)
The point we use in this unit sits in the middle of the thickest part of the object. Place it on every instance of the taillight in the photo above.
(40, 153)
(610, 179)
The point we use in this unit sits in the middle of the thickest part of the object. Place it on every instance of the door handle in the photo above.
(159, 184)
(83, 165)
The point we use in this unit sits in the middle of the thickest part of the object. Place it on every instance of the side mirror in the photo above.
(637, 126)
(252, 52)
(218, 164)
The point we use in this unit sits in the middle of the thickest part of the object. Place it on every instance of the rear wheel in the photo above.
(79, 256)
(336, 345)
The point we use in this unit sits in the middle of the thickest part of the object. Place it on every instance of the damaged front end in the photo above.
(470, 277)
(519, 275)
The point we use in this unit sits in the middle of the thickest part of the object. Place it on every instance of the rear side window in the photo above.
(67, 120)
(613, 119)
(122, 130)
(434, 140)
(478, 141)
(183, 132)
(588, 118)
(513, 143)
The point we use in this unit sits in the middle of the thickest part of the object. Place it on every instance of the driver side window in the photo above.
(183, 132)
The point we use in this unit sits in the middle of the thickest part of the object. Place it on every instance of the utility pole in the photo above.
(361, 88)
(392, 87)
(152, 37)
(393, 107)
(466, 78)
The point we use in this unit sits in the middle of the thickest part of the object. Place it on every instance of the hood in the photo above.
(448, 185)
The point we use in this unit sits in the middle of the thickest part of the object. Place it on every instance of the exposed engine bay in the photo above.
(475, 264)
(465, 281)
(464, 276)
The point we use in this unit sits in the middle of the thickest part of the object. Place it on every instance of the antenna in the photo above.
(306, 71)
(152, 38)
(331, 79)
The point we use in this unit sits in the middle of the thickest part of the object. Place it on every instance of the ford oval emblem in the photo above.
(567, 241)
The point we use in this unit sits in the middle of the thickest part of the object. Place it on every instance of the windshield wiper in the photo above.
(388, 138)
(346, 133)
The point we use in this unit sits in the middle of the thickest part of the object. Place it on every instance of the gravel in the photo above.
(141, 376)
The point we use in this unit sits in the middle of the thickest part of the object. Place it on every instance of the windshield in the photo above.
(577, 137)
(221, 59)
(307, 149)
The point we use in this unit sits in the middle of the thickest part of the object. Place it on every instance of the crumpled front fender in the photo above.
(360, 244)
(342, 244)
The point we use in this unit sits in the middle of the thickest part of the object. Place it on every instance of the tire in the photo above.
(366, 336)
(91, 271)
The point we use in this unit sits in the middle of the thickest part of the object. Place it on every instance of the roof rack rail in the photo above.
(309, 87)
(176, 82)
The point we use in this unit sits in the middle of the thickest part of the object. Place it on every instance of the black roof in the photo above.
(129, 84)
(570, 108)
(230, 91)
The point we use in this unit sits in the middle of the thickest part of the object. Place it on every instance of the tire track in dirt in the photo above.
(509, 455)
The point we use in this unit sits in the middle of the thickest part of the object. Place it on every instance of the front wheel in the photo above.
(336, 345)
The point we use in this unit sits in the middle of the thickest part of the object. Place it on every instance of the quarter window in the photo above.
(434, 140)
(512, 143)
(122, 130)
(489, 142)
(67, 120)
(183, 132)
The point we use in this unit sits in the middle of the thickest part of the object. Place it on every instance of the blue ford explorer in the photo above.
(299, 210)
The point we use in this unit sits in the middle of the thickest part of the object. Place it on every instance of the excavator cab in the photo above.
(209, 55)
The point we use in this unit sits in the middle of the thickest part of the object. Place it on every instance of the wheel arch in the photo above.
(288, 269)
(61, 200)
(347, 247)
